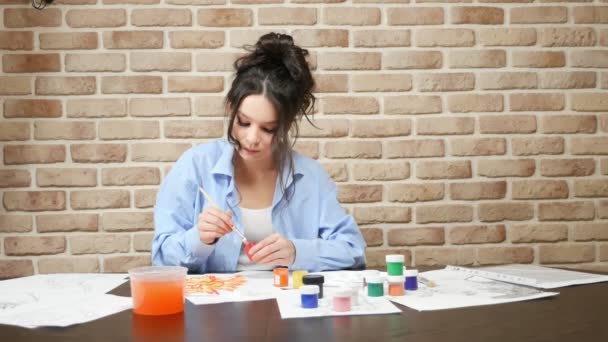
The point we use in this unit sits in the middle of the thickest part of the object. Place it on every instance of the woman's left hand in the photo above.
(274, 250)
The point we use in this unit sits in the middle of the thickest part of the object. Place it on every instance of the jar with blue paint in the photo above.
(411, 280)
(309, 295)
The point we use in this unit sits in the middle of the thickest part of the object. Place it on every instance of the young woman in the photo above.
(283, 201)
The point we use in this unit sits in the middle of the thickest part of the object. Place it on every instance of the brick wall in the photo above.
(458, 132)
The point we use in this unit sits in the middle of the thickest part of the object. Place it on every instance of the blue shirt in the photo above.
(324, 235)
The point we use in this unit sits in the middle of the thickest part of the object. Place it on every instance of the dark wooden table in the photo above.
(579, 313)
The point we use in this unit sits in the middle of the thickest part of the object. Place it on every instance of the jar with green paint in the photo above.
(394, 264)
(375, 286)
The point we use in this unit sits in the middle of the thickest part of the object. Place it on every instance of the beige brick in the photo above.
(539, 15)
(466, 103)
(308, 148)
(64, 130)
(507, 80)
(130, 129)
(98, 153)
(590, 231)
(447, 37)
(100, 62)
(99, 199)
(538, 59)
(445, 82)
(31, 63)
(161, 17)
(602, 252)
(538, 232)
(350, 61)
(412, 104)
(29, 17)
(66, 223)
(535, 146)
(330, 83)
(566, 211)
(324, 128)
(500, 211)
(444, 256)
(134, 39)
(159, 107)
(354, 16)
(95, 108)
(445, 125)
(381, 82)
(478, 190)
(589, 102)
(505, 255)
(506, 167)
(160, 61)
(33, 154)
(96, 17)
(539, 189)
(99, 244)
(15, 85)
(416, 236)
(155, 152)
(12, 131)
(196, 39)
(602, 210)
(65, 85)
(15, 223)
(350, 105)
(15, 178)
(399, 192)
(512, 36)
(359, 193)
(68, 265)
(593, 145)
(567, 167)
(195, 84)
(589, 59)
(415, 148)
(569, 124)
(66, 177)
(142, 242)
(212, 2)
(603, 40)
(382, 214)
(603, 122)
(412, 60)
(604, 167)
(591, 188)
(478, 146)
(34, 245)
(145, 198)
(134, 2)
(123, 263)
(16, 268)
(380, 128)
(321, 38)
(537, 102)
(381, 38)
(479, 15)
(415, 16)
(373, 236)
(194, 129)
(17, 40)
(216, 61)
(376, 258)
(127, 221)
(443, 169)
(338, 171)
(130, 176)
(462, 235)
(444, 213)
(477, 59)
(68, 41)
(226, 17)
(131, 84)
(566, 253)
(381, 171)
(353, 149)
(566, 37)
(505, 124)
(591, 14)
(287, 16)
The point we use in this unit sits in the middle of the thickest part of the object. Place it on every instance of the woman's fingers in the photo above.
(274, 250)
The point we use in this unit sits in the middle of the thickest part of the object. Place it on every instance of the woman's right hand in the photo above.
(213, 223)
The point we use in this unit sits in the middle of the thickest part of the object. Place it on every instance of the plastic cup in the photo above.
(158, 290)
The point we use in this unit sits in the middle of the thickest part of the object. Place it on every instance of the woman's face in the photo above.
(254, 127)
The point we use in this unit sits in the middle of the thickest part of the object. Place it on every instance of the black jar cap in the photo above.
(313, 279)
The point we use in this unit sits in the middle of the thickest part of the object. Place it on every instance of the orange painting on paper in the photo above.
(212, 284)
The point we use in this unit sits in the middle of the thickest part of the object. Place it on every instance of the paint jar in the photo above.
(396, 285)
(342, 300)
(411, 280)
(281, 276)
(314, 279)
(375, 286)
(369, 273)
(309, 296)
(355, 288)
(394, 264)
(296, 278)
(158, 290)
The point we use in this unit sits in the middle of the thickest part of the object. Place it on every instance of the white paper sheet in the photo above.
(233, 287)
(289, 302)
(64, 310)
(456, 289)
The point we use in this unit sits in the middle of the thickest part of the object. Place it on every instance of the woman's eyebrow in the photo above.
(263, 123)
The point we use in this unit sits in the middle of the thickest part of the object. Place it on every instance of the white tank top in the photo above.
(257, 224)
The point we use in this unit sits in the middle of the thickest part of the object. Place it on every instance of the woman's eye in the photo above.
(241, 123)
(270, 130)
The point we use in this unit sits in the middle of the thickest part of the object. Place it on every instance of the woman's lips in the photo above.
(249, 150)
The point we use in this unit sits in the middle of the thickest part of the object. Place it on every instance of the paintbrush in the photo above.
(208, 198)
(427, 282)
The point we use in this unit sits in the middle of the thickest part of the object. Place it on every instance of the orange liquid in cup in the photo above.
(157, 297)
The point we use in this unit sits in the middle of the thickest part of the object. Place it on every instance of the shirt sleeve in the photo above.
(176, 238)
(340, 244)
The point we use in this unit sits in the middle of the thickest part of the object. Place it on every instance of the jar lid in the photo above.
(343, 292)
(411, 273)
(395, 278)
(395, 258)
(309, 289)
(313, 279)
(374, 279)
